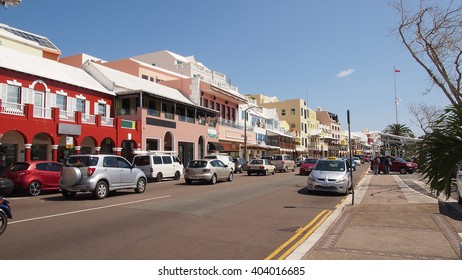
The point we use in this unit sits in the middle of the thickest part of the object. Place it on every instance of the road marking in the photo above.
(87, 210)
(324, 214)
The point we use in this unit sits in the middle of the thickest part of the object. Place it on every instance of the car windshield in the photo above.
(197, 164)
(19, 166)
(310, 160)
(330, 165)
(256, 161)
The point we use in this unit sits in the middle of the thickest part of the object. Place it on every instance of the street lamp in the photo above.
(245, 130)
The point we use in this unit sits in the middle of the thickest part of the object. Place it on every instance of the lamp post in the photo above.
(245, 130)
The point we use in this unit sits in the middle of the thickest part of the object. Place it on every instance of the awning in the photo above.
(215, 146)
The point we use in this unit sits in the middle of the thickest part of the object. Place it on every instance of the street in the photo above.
(248, 218)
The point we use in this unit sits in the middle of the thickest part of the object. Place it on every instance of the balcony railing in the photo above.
(12, 108)
(40, 112)
(106, 121)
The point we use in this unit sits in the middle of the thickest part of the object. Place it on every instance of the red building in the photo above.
(49, 110)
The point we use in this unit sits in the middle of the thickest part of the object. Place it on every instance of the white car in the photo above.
(357, 160)
(331, 175)
(224, 158)
(159, 165)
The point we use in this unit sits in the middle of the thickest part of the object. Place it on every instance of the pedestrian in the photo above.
(375, 165)
(387, 163)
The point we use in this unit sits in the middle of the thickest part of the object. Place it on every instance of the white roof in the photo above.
(121, 82)
(50, 69)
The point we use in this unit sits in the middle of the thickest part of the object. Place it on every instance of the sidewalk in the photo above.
(389, 220)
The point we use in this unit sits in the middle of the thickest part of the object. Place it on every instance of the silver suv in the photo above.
(100, 174)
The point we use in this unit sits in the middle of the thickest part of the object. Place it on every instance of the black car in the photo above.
(239, 164)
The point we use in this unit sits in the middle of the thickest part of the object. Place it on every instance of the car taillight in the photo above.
(262, 167)
(90, 171)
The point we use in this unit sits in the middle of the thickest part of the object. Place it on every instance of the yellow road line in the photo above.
(291, 249)
(299, 232)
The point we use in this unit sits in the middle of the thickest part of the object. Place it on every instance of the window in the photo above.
(109, 162)
(144, 77)
(101, 109)
(61, 102)
(80, 105)
(212, 105)
(292, 111)
(157, 160)
(123, 163)
(13, 94)
(283, 112)
(167, 159)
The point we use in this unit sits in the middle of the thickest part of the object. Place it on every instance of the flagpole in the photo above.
(396, 97)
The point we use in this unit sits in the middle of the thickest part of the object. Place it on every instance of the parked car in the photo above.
(239, 165)
(459, 184)
(159, 165)
(100, 174)
(397, 165)
(261, 167)
(34, 176)
(210, 170)
(299, 161)
(307, 166)
(331, 175)
(224, 158)
(283, 162)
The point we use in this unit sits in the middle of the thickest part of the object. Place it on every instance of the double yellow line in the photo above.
(300, 236)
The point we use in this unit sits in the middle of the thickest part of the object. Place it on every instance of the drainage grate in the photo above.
(290, 229)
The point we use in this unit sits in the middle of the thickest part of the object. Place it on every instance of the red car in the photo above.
(307, 166)
(35, 176)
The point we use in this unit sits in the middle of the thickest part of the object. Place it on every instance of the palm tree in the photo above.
(399, 130)
(441, 151)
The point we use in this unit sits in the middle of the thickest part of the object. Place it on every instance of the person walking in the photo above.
(387, 163)
(375, 165)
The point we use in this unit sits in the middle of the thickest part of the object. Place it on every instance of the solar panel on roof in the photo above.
(42, 41)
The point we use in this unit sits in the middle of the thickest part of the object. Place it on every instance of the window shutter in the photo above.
(3, 89)
(108, 110)
(95, 108)
(87, 107)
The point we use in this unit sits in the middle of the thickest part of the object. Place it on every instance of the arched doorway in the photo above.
(88, 145)
(106, 146)
(168, 141)
(11, 148)
(41, 147)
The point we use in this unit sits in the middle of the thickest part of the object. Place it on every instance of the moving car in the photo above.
(159, 165)
(357, 161)
(283, 162)
(261, 167)
(224, 158)
(35, 176)
(100, 174)
(307, 166)
(239, 165)
(331, 175)
(209, 170)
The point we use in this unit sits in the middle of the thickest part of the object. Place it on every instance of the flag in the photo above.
(396, 70)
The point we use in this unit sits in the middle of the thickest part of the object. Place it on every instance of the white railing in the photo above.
(66, 116)
(40, 112)
(106, 121)
(12, 108)
(90, 119)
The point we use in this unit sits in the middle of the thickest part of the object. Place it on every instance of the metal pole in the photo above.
(351, 158)
(396, 97)
(245, 134)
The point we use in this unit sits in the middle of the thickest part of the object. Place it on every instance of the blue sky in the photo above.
(289, 49)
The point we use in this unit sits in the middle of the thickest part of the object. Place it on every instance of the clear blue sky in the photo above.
(289, 49)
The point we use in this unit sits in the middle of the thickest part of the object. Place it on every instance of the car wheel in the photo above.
(188, 181)
(274, 172)
(286, 169)
(35, 188)
(177, 176)
(230, 177)
(159, 177)
(140, 186)
(3, 221)
(68, 195)
(460, 200)
(249, 173)
(101, 190)
(402, 170)
(266, 172)
(240, 170)
(213, 181)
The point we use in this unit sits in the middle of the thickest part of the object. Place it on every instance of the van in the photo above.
(224, 158)
(283, 162)
(158, 165)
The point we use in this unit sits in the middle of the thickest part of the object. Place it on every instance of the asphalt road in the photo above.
(252, 217)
